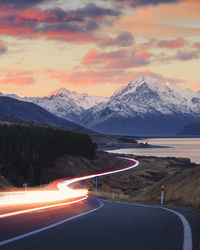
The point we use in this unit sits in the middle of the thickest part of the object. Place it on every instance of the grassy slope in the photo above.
(182, 188)
(180, 177)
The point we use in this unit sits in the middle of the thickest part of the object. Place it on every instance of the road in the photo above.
(111, 225)
(83, 222)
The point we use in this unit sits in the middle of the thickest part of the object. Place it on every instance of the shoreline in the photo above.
(130, 146)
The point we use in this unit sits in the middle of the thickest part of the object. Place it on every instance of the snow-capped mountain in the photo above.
(65, 104)
(144, 107)
(68, 105)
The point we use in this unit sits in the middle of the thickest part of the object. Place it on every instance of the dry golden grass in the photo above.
(181, 189)
(181, 180)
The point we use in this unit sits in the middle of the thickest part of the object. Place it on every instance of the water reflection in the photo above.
(178, 147)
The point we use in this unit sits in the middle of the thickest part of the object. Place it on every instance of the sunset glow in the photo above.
(89, 46)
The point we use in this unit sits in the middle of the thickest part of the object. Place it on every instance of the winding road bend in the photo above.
(98, 224)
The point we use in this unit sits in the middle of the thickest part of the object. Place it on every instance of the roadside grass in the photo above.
(180, 178)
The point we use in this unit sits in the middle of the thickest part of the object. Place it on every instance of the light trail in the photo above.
(41, 208)
(64, 192)
(61, 185)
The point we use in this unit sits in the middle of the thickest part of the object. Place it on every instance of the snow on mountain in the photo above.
(83, 100)
(144, 105)
(63, 103)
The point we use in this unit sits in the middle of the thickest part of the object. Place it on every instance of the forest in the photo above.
(26, 150)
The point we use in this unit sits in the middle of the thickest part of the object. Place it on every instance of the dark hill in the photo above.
(191, 129)
(15, 111)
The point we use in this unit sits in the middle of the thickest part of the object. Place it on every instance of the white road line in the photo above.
(187, 240)
(50, 226)
(187, 232)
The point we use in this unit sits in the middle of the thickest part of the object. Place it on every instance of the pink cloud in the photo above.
(72, 25)
(18, 80)
(187, 55)
(118, 59)
(172, 44)
(124, 39)
(93, 77)
(196, 45)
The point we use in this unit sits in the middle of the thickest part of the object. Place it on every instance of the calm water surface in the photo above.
(179, 147)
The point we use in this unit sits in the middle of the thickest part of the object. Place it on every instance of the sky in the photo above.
(95, 47)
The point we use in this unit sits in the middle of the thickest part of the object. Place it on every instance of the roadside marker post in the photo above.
(25, 185)
(113, 195)
(162, 195)
(96, 185)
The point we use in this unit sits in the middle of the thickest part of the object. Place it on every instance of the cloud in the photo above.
(77, 24)
(187, 55)
(94, 77)
(196, 45)
(21, 3)
(172, 44)
(93, 10)
(138, 3)
(124, 39)
(90, 77)
(117, 59)
(3, 48)
(18, 80)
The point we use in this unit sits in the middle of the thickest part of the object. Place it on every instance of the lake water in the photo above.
(179, 147)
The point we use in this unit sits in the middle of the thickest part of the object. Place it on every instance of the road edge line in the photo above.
(187, 232)
(50, 226)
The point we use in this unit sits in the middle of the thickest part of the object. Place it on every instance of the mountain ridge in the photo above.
(21, 112)
(144, 106)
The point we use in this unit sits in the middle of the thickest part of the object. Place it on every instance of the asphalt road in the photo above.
(111, 226)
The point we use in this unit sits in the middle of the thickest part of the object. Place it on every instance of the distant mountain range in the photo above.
(63, 103)
(20, 112)
(143, 107)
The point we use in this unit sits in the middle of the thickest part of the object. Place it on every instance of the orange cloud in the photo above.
(88, 77)
(196, 45)
(18, 80)
(118, 59)
(162, 21)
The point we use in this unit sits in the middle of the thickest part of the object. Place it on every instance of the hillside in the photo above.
(182, 189)
(16, 111)
(191, 129)
(180, 177)
(26, 150)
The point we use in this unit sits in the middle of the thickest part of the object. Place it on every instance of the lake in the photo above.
(178, 147)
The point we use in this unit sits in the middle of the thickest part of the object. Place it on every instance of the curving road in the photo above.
(111, 225)
(94, 224)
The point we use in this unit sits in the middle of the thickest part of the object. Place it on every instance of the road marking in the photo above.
(187, 240)
(50, 226)
(187, 232)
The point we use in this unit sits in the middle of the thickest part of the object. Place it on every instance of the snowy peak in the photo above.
(58, 92)
(82, 100)
(133, 85)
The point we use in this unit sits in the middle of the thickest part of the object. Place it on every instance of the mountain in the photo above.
(191, 129)
(15, 111)
(66, 104)
(144, 107)
(7, 119)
